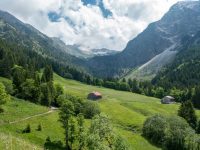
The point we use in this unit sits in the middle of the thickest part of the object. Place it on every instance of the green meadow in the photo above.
(126, 110)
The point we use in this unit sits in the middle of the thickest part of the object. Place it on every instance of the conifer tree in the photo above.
(187, 112)
(47, 74)
(196, 97)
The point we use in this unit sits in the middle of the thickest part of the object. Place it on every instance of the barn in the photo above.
(167, 100)
(94, 96)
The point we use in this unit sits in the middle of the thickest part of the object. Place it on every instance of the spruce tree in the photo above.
(18, 77)
(47, 74)
(198, 127)
(187, 112)
(196, 97)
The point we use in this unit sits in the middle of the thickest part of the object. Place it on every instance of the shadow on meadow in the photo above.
(53, 145)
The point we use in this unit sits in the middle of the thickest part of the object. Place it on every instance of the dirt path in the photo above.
(53, 109)
(30, 117)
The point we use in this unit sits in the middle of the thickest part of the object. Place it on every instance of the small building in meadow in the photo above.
(167, 100)
(94, 96)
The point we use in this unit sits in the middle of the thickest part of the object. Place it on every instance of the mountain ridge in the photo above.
(178, 22)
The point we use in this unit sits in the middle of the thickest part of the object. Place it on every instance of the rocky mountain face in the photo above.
(184, 70)
(159, 41)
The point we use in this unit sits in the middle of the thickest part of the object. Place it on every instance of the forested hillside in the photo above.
(184, 71)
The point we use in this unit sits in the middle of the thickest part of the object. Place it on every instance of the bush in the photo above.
(192, 142)
(8, 87)
(39, 127)
(176, 133)
(4, 97)
(170, 133)
(90, 109)
(1, 110)
(154, 129)
(27, 129)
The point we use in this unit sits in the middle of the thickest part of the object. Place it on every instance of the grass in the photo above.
(50, 127)
(126, 110)
(9, 142)
(16, 109)
(139, 75)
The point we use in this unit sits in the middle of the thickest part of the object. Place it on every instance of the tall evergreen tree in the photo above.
(187, 112)
(46, 95)
(196, 97)
(18, 77)
(47, 74)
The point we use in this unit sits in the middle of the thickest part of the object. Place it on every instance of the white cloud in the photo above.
(88, 27)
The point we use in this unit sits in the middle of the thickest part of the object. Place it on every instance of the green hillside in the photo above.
(139, 75)
(126, 110)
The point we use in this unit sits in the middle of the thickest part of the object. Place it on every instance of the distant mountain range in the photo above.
(160, 44)
(155, 47)
(75, 50)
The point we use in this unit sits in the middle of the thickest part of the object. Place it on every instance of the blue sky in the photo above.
(89, 23)
(54, 16)
(106, 12)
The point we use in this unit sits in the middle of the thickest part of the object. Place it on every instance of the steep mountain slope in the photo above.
(164, 35)
(14, 31)
(23, 45)
(184, 70)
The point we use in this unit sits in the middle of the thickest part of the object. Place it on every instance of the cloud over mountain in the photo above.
(89, 23)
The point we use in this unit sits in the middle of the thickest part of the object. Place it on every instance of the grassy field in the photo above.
(126, 110)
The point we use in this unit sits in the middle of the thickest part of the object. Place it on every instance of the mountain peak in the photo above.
(187, 4)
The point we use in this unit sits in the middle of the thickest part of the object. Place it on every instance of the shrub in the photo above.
(176, 133)
(27, 129)
(39, 127)
(90, 109)
(8, 87)
(154, 129)
(4, 97)
(192, 142)
(169, 132)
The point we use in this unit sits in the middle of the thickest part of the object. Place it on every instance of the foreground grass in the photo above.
(50, 127)
(9, 142)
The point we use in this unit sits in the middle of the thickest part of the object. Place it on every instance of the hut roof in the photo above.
(97, 93)
(169, 97)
